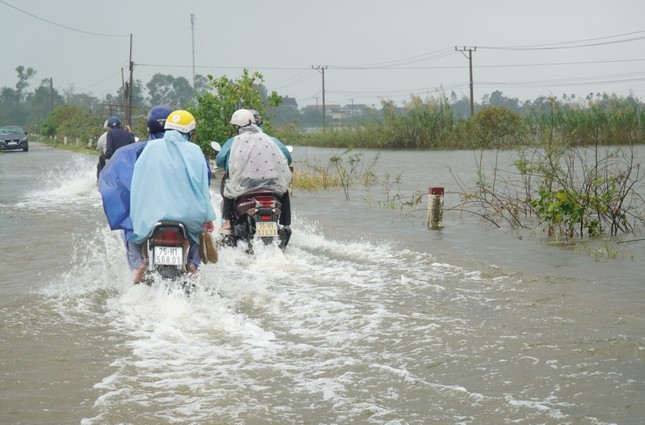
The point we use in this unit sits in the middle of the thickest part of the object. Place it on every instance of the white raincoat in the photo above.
(256, 163)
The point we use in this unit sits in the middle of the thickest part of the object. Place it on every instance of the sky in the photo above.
(370, 50)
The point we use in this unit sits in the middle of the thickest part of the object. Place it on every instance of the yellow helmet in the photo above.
(182, 121)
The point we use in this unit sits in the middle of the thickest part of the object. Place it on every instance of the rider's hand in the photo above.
(208, 226)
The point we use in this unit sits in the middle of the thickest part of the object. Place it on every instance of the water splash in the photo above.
(70, 184)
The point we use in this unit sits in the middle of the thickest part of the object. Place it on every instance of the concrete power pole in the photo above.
(51, 94)
(321, 69)
(470, 51)
(192, 27)
(131, 88)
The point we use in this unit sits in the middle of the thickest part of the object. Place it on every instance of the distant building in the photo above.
(331, 110)
(340, 113)
(289, 102)
(355, 110)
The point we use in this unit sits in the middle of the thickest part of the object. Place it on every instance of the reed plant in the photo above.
(314, 175)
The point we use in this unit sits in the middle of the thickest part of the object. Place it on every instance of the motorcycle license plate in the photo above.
(168, 255)
(266, 229)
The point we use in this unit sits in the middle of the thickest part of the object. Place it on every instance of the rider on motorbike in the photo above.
(117, 137)
(242, 176)
(115, 182)
(170, 182)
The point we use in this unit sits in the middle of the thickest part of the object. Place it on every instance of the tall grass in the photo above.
(431, 124)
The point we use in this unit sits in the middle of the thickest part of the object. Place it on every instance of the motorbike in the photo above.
(166, 251)
(256, 215)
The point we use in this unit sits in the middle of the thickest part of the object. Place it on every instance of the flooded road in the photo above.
(366, 318)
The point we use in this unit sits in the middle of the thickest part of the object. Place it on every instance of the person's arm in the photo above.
(109, 148)
(101, 143)
(221, 160)
(283, 148)
(208, 168)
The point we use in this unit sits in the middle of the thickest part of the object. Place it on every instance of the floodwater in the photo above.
(367, 317)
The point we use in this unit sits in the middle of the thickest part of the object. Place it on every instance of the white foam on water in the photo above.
(70, 184)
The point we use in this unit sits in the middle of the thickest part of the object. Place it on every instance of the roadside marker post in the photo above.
(435, 208)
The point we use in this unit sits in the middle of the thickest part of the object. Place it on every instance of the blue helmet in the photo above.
(113, 122)
(157, 119)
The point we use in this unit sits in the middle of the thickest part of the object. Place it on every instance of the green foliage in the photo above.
(420, 125)
(497, 127)
(560, 208)
(608, 121)
(215, 108)
(71, 121)
(351, 168)
(343, 169)
(314, 175)
(582, 191)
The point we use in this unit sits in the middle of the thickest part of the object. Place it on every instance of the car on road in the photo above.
(13, 137)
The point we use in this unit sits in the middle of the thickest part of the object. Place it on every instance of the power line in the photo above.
(300, 77)
(62, 26)
(397, 62)
(576, 44)
(562, 82)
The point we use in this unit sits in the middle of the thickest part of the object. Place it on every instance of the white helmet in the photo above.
(242, 118)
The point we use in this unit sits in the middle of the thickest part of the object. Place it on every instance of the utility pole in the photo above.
(192, 28)
(321, 69)
(470, 51)
(130, 89)
(51, 94)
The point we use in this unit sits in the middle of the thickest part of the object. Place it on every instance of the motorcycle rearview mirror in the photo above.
(216, 146)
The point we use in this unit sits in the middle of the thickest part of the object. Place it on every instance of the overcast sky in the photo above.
(373, 49)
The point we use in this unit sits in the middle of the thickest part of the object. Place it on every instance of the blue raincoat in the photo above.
(170, 182)
(114, 184)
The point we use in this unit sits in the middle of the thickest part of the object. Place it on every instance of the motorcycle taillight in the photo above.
(265, 201)
(168, 237)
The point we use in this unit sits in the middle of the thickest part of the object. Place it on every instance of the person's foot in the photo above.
(192, 269)
(226, 228)
(139, 273)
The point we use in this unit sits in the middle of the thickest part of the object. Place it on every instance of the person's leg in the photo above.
(192, 262)
(137, 263)
(285, 217)
(99, 166)
(227, 212)
(221, 186)
(227, 206)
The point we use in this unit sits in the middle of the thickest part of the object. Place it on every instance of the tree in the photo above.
(24, 75)
(497, 98)
(168, 90)
(202, 84)
(71, 121)
(214, 108)
(497, 127)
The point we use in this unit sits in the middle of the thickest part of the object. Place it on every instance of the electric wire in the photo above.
(62, 26)
(576, 44)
